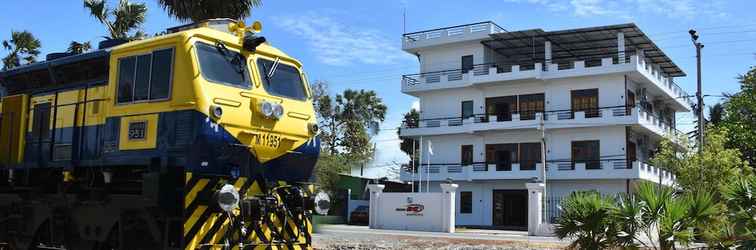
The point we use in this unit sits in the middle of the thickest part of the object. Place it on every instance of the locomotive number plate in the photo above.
(137, 130)
(267, 140)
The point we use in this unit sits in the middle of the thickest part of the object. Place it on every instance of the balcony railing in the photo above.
(491, 72)
(619, 114)
(618, 168)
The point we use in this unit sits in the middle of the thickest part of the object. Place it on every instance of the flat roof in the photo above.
(527, 46)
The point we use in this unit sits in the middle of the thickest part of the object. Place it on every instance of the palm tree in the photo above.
(740, 197)
(78, 48)
(23, 46)
(588, 218)
(198, 10)
(127, 16)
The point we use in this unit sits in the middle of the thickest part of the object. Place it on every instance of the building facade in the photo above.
(592, 103)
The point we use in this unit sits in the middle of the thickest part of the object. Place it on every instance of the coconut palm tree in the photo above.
(22, 46)
(78, 48)
(197, 10)
(127, 16)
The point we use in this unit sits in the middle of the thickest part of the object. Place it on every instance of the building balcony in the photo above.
(606, 169)
(411, 42)
(494, 73)
(619, 115)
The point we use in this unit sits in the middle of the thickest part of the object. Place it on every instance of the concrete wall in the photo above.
(482, 195)
(427, 211)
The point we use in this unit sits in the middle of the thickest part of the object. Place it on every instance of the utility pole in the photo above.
(699, 94)
(543, 164)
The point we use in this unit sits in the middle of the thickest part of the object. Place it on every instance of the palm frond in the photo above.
(127, 17)
(197, 10)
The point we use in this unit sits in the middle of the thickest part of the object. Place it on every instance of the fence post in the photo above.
(535, 195)
(374, 212)
(448, 211)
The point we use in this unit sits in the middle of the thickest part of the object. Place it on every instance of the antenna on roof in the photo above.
(404, 20)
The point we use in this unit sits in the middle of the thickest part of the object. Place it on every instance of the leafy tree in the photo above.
(127, 17)
(348, 120)
(715, 114)
(707, 172)
(22, 46)
(198, 10)
(587, 217)
(78, 48)
(740, 117)
(409, 145)
(347, 123)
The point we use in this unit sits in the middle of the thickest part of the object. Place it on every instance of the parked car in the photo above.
(359, 215)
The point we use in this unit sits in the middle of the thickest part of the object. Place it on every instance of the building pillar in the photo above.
(375, 198)
(449, 212)
(621, 48)
(535, 206)
(547, 53)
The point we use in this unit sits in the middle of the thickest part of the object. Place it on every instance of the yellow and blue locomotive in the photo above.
(200, 138)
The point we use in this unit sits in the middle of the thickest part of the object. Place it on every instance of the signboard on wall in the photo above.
(413, 211)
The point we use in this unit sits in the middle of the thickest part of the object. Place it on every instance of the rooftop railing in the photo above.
(489, 27)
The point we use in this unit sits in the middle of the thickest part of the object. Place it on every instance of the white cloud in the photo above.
(335, 43)
(416, 105)
(686, 9)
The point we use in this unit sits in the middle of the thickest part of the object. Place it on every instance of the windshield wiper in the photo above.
(235, 60)
(273, 68)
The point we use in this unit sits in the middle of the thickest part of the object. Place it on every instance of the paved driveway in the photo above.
(361, 237)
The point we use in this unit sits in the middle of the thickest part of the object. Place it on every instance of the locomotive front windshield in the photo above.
(281, 79)
(221, 65)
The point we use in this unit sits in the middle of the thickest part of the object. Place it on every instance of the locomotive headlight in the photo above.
(216, 111)
(277, 111)
(266, 108)
(228, 198)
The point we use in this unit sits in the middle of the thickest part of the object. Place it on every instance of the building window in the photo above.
(145, 77)
(530, 105)
(467, 63)
(503, 155)
(586, 152)
(586, 100)
(467, 109)
(467, 155)
(530, 155)
(502, 107)
(465, 202)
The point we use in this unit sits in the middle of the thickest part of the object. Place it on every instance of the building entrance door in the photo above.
(510, 209)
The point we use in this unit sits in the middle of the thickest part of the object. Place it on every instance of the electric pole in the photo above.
(699, 94)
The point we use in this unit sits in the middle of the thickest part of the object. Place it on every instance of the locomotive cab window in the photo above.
(220, 65)
(145, 77)
(281, 79)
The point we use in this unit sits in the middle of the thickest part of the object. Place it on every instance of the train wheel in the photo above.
(111, 243)
(44, 238)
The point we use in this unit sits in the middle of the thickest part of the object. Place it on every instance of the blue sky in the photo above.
(356, 44)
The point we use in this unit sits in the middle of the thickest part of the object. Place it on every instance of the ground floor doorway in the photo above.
(510, 209)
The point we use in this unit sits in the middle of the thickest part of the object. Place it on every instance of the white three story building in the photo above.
(601, 98)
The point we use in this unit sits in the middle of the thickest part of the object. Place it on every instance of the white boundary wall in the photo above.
(413, 211)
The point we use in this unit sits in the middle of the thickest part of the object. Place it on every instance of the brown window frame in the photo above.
(586, 100)
(465, 202)
(592, 159)
(466, 156)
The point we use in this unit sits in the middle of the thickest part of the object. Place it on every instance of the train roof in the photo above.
(86, 68)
